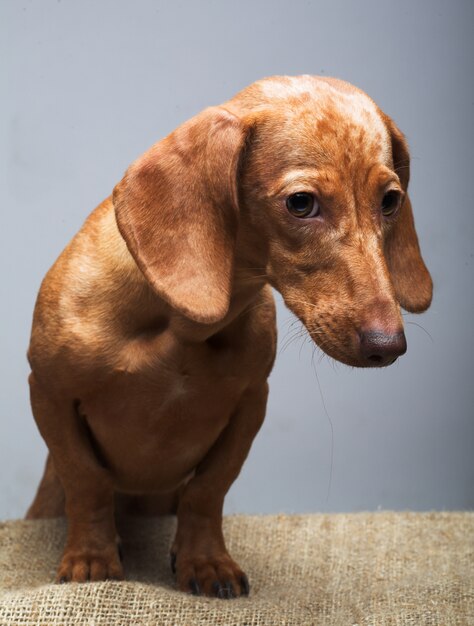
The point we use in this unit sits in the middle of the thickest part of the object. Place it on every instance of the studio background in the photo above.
(89, 85)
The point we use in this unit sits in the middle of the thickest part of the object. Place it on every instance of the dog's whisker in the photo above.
(296, 334)
(295, 301)
(288, 342)
(252, 277)
(401, 167)
(251, 309)
(422, 328)
(326, 412)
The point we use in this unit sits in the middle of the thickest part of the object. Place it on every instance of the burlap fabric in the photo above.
(371, 569)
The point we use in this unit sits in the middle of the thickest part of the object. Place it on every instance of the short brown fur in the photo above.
(154, 332)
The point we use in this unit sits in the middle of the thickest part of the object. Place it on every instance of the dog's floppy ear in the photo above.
(177, 209)
(410, 277)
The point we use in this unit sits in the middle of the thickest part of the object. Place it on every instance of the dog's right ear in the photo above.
(177, 210)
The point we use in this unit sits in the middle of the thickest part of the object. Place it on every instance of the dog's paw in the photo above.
(93, 565)
(217, 576)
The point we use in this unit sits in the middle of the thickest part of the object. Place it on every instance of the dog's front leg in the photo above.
(91, 548)
(199, 554)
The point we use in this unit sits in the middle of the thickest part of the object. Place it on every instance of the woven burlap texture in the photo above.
(369, 569)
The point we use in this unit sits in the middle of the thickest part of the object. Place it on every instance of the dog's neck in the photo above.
(250, 275)
(246, 288)
(143, 312)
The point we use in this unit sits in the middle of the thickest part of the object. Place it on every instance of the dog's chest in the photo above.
(155, 424)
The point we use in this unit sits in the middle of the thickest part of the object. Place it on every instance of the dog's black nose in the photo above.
(378, 348)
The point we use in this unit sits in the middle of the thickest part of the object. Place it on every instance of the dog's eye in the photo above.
(302, 204)
(390, 203)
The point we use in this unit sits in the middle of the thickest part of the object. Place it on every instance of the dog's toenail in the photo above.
(229, 590)
(244, 584)
(194, 586)
(173, 562)
(218, 589)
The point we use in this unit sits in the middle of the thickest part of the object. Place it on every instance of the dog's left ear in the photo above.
(410, 277)
(177, 209)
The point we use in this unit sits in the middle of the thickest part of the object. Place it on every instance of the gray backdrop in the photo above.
(91, 84)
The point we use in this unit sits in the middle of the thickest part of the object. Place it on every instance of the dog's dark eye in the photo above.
(302, 204)
(390, 203)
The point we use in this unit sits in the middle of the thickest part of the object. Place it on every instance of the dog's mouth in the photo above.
(363, 349)
(343, 334)
(344, 342)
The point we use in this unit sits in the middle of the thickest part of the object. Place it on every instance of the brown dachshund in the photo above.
(154, 332)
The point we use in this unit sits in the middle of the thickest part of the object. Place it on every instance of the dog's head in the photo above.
(303, 179)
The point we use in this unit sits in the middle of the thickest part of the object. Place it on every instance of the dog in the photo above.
(154, 332)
